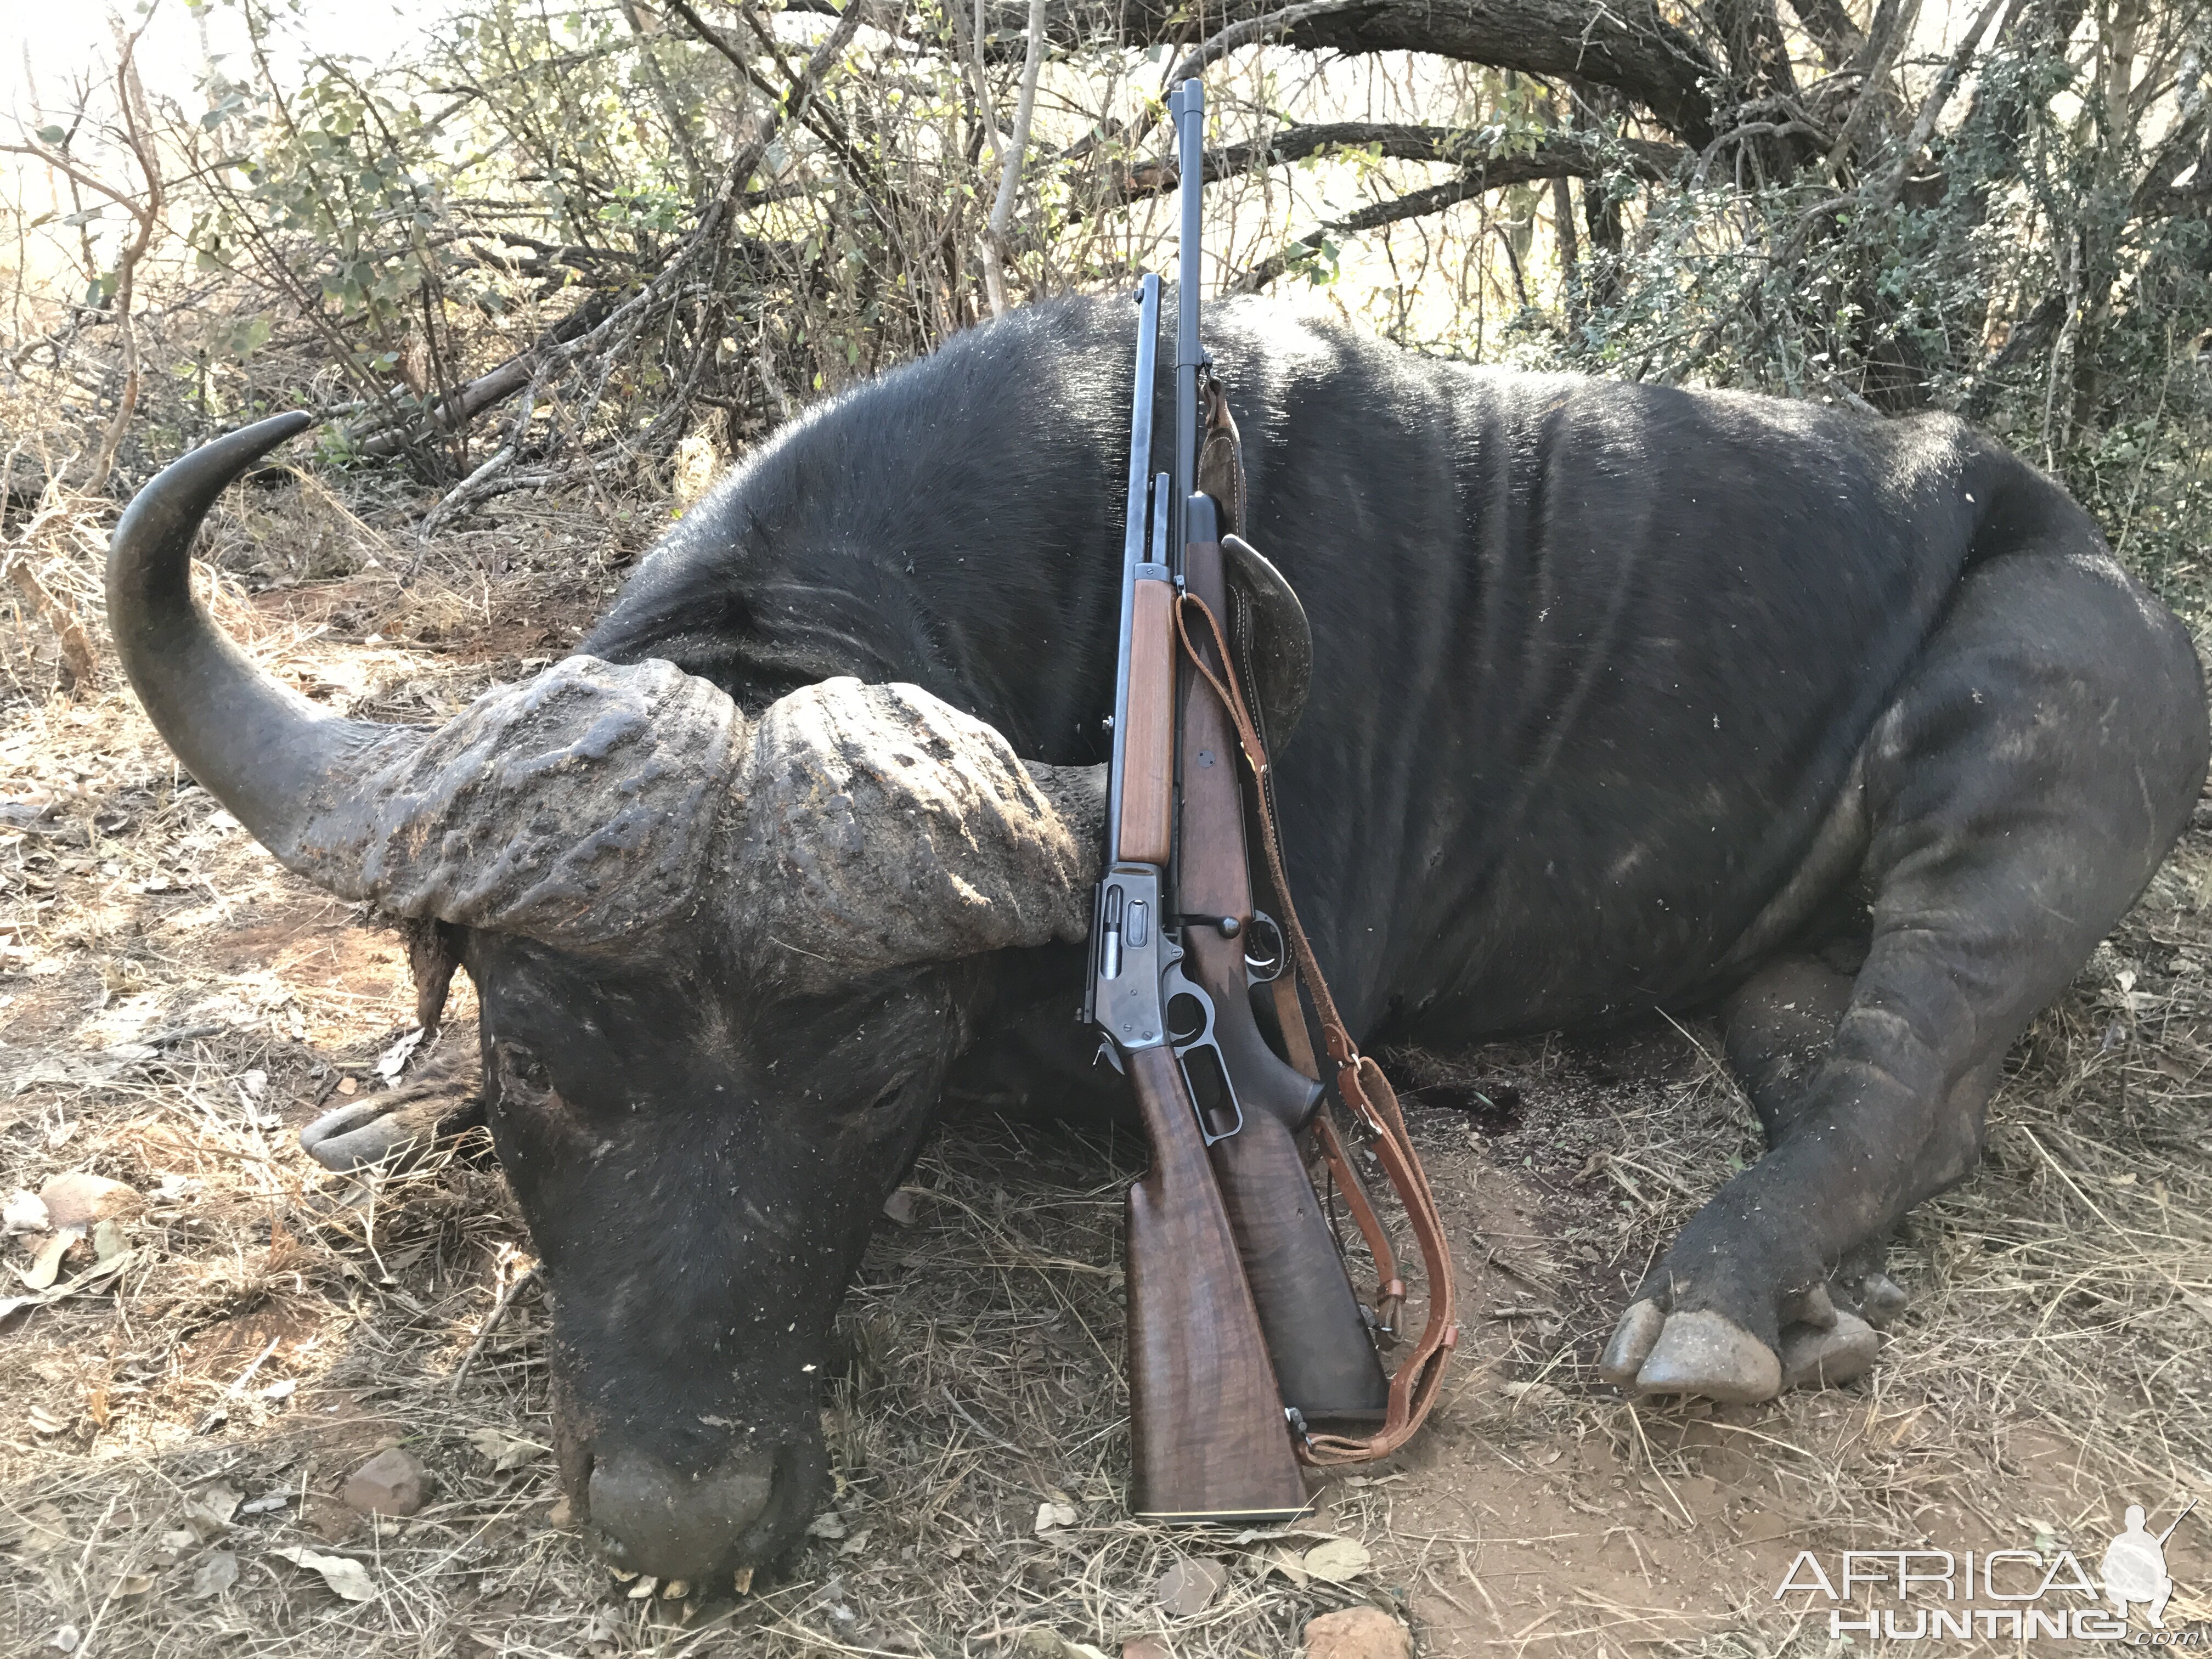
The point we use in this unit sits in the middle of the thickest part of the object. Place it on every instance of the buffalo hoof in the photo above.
(402, 1125)
(1633, 1339)
(1702, 1352)
(1814, 1358)
(1879, 1299)
(1709, 1355)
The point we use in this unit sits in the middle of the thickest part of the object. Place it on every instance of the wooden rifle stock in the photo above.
(1208, 1438)
(1323, 1352)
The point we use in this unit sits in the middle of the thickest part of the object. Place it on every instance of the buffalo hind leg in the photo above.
(2021, 791)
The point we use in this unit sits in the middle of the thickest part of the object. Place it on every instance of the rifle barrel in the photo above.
(1188, 105)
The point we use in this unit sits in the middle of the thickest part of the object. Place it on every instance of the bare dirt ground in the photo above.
(174, 1006)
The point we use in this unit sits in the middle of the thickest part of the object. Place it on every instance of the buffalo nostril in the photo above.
(674, 1525)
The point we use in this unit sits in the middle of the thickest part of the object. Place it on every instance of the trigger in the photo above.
(1107, 1052)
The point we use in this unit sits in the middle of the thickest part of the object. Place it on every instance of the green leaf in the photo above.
(243, 337)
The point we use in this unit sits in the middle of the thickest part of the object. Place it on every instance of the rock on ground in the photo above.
(78, 1199)
(390, 1483)
(1190, 1587)
(1358, 1633)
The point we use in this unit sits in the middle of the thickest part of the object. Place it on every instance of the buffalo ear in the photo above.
(884, 827)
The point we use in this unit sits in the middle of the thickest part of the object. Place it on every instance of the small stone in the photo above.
(1144, 1647)
(1358, 1633)
(79, 1200)
(217, 1573)
(1190, 1587)
(390, 1483)
(1039, 1642)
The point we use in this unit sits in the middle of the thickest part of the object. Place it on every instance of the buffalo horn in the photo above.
(263, 750)
(577, 807)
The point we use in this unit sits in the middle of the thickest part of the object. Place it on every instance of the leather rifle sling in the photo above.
(1365, 1092)
(1221, 475)
(1390, 1289)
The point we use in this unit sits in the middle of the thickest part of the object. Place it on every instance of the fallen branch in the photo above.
(383, 436)
(525, 1274)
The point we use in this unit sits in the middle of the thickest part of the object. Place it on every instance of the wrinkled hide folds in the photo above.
(883, 828)
(862, 828)
(577, 807)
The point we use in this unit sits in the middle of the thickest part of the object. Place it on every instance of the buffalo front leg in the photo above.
(2020, 791)
(1777, 1029)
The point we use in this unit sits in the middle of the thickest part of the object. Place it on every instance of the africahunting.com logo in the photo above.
(2020, 1595)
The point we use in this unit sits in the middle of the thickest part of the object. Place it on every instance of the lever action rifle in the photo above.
(1210, 1440)
(1239, 1302)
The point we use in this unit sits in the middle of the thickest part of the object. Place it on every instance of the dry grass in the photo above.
(174, 1006)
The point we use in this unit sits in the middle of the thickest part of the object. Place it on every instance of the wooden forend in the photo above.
(1148, 745)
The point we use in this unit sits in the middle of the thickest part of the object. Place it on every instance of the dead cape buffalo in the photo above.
(1625, 697)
